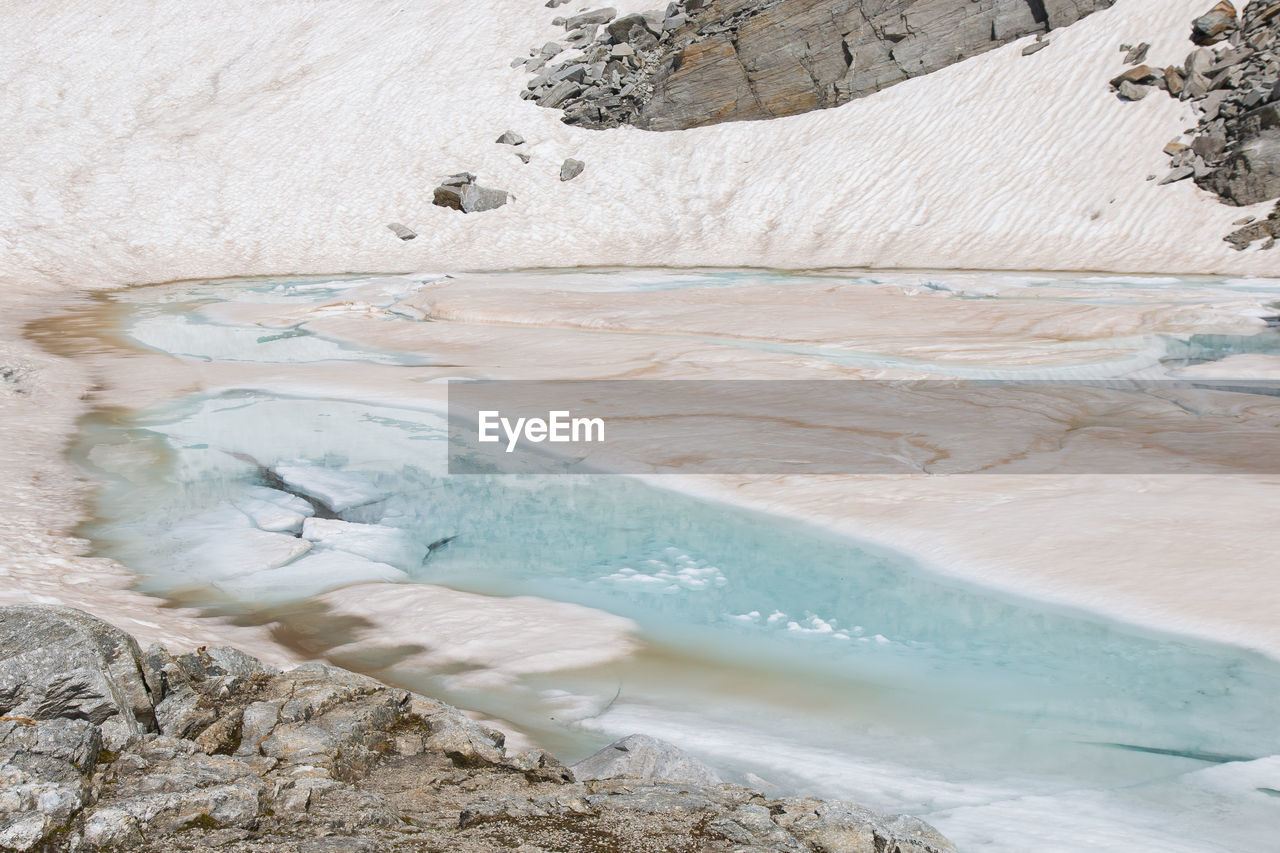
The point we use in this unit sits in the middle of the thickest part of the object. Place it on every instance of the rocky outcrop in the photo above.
(1234, 149)
(701, 62)
(64, 664)
(213, 749)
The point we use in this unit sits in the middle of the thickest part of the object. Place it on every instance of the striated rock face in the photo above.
(1250, 166)
(64, 664)
(700, 63)
(231, 754)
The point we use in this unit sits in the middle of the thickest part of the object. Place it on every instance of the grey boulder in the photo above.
(1132, 91)
(844, 826)
(1143, 75)
(620, 30)
(56, 662)
(590, 19)
(461, 192)
(1215, 25)
(571, 169)
(1179, 173)
(642, 757)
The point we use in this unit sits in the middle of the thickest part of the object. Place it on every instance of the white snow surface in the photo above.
(158, 140)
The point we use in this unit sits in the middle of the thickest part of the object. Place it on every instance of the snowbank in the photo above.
(165, 140)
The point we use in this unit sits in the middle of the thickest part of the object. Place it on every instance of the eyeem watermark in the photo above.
(865, 427)
(559, 427)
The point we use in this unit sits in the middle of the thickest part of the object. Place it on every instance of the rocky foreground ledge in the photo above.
(104, 746)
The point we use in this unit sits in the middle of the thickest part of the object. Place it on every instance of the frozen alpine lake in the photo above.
(288, 465)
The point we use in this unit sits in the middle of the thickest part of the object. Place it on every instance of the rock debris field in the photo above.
(1232, 77)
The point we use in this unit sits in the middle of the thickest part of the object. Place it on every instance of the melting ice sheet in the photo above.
(775, 649)
(786, 655)
(183, 319)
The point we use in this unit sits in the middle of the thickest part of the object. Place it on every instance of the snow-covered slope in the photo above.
(157, 139)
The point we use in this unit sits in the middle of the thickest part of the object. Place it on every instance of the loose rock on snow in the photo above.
(461, 192)
(571, 168)
(1234, 150)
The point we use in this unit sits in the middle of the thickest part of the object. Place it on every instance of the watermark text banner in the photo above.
(923, 427)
